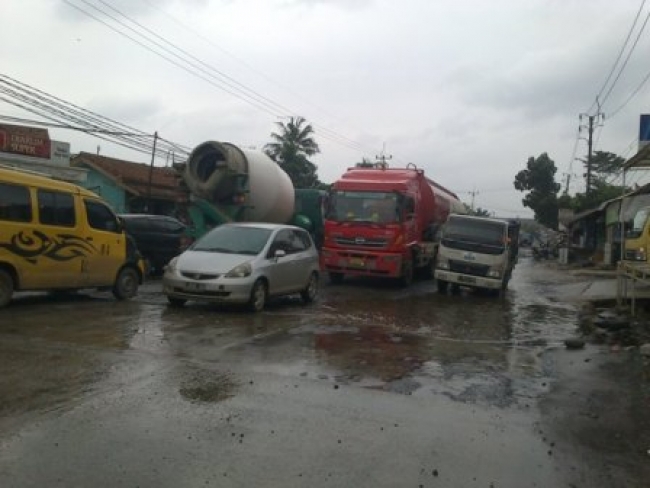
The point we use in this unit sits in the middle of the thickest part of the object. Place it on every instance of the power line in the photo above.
(618, 58)
(630, 97)
(627, 58)
(202, 70)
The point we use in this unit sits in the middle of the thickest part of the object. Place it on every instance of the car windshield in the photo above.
(232, 239)
(363, 206)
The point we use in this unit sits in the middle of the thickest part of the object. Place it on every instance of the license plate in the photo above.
(466, 279)
(357, 262)
(195, 286)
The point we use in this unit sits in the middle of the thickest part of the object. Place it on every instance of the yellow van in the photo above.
(58, 236)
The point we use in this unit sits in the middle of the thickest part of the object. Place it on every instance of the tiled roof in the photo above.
(134, 177)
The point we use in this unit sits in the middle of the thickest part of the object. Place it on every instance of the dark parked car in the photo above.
(158, 237)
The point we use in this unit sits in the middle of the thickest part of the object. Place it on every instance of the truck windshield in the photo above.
(363, 206)
(638, 223)
(474, 235)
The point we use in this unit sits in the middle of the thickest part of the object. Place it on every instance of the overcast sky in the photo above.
(467, 90)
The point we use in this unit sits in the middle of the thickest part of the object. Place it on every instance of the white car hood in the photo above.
(210, 262)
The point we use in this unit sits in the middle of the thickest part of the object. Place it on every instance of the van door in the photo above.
(61, 249)
(104, 231)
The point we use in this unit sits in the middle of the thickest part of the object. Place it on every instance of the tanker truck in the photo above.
(383, 222)
(229, 184)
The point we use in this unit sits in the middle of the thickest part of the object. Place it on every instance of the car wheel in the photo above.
(176, 302)
(257, 299)
(310, 292)
(126, 284)
(442, 286)
(6, 288)
(336, 278)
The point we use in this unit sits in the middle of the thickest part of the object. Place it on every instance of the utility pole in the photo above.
(474, 192)
(153, 156)
(382, 158)
(593, 120)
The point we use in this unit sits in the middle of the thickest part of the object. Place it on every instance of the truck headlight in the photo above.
(494, 273)
(241, 271)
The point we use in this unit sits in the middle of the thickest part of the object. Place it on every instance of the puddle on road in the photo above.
(204, 386)
(471, 347)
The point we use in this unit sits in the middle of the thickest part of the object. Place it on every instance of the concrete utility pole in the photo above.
(593, 120)
(153, 156)
(382, 158)
(474, 192)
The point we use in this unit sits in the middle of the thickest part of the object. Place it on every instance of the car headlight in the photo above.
(241, 271)
(494, 273)
(171, 265)
(639, 255)
(442, 264)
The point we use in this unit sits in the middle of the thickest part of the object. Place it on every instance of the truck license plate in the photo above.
(467, 279)
(357, 262)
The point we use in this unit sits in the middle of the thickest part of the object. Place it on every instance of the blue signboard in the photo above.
(644, 129)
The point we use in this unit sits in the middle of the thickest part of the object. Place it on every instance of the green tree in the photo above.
(604, 165)
(480, 212)
(292, 145)
(365, 163)
(538, 179)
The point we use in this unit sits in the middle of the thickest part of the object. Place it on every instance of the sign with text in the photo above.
(27, 141)
(644, 130)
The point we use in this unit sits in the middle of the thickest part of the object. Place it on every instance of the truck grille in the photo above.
(361, 242)
(468, 268)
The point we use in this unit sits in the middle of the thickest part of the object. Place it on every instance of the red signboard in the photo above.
(28, 141)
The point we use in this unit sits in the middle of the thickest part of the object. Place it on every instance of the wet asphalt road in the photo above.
(371, 386)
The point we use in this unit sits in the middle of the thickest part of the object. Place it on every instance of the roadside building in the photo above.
(132, 187)
(31, 149)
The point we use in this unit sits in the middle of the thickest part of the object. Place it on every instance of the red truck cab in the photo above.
(382, 222)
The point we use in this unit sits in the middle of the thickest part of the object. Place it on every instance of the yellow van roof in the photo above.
(41, 180)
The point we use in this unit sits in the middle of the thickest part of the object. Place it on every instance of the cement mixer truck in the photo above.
(230, 184)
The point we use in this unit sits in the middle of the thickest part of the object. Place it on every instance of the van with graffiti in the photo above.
(59, 236)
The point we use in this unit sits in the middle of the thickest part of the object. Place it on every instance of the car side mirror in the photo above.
(280, 253)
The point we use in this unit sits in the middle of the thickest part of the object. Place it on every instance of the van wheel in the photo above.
(126, 284)
(257, 299)
(6, 288)
(310, 292)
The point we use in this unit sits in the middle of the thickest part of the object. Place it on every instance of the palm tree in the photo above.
(293, 144)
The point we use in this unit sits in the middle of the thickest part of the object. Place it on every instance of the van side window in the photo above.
(15, 204)
(56, 208)
(101, 217)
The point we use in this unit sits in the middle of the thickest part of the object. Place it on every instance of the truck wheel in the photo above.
(258, 296)
(442, 286)
(6, 288)
(126, 284)
(407, 273)
(176, 302)
(336, 278)
(310, 292)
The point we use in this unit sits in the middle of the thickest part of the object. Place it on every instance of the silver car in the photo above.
(244, 263)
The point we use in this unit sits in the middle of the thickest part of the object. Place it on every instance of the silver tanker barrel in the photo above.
(228, 183)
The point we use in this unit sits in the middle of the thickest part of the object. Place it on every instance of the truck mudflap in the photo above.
(361, 264)
(469, 280)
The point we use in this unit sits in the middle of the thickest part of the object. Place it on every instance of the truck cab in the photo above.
(477, 252)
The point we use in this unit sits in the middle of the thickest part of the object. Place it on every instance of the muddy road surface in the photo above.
(371, 386)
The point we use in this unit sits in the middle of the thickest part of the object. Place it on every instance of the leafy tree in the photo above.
(480, 212)
(538, 179)
(365, 163)
(292, 145)
(603, 165)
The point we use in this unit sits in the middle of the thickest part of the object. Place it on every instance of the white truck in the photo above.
(477, 252)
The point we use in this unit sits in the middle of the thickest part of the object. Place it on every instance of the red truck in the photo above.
(383, 222)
